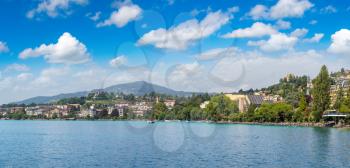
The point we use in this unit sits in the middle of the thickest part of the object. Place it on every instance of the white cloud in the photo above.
(313, 22)
(244, 69)
(340, 42)
(281, 24)
(94, 17)
(262, 70)
(17, 67)
(289, 8)
(24, 76)
(282, 9)
(233, 9)
(53, 7)
(3, 47)
(216, 53)
(276, 42)
(299, 32)
(118, 61)
(67, 50)
(329, 9)
(258, 29)
(126, 13)
(315, 39)
(184, 34)
(259, 12)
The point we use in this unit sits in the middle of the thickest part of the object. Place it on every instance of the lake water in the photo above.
(168, 144)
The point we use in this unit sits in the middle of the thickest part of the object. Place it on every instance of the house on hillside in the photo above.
(169, 103)
(141, 108)
(38, 110)
(340, 82)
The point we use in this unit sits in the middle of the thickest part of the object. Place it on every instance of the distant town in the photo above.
(295, 99)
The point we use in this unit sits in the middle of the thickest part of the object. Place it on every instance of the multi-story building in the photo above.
(169, 103)
(244, 101)
(42, 110)
(340, 82)
(141, 108)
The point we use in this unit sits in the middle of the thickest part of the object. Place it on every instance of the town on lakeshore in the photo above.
(322, 101)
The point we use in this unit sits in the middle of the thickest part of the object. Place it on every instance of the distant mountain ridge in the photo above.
(138, 88)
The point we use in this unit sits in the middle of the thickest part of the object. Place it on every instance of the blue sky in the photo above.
(58, 46)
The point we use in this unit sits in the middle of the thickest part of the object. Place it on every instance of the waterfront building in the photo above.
(244, 101)
(340, 82)
(169, 103)
(37, 110)
(141, 108)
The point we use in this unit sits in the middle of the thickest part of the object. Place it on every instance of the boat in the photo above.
(151, 121)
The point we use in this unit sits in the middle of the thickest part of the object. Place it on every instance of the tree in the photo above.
(300, 112)
(345, 105)
(347, 99)
(320, 93)
(159, 111)
(220, 107)
(340, 99)
(302, 102)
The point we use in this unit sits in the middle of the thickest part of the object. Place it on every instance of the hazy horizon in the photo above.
(62, 46)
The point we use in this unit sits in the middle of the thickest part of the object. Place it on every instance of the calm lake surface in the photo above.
(168, 144)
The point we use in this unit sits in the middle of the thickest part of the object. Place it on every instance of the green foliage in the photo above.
(220, 107)
(17, 116)
(302, 103)
(73, 100)
(344, 108)
(289, 88)
(320, 92)
(159, 111)
(339, 100)
(301, 113)
(279, 112)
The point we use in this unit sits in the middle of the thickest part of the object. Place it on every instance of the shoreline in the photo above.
(288, 124)
(292, 124)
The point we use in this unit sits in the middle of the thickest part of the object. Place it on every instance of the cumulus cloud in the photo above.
(276, 42)
(3, 47)
(299, 32)
(233, 9)
(67, 50)
(24, 76)
(281, 24)
(340, 42)
(329, 9)
(52, 8)
(216, 53)
(59, 79)
(118, 61)
(289, 8)
(126, 13)
(259, 12)
(94, 17)
(181, 36)
(282, 9)
(258, 29)
(315, 39)
(17, 67)
(245, 69)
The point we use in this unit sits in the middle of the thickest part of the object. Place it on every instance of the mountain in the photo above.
(137, 88)
(49, 99)
(141, 87)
